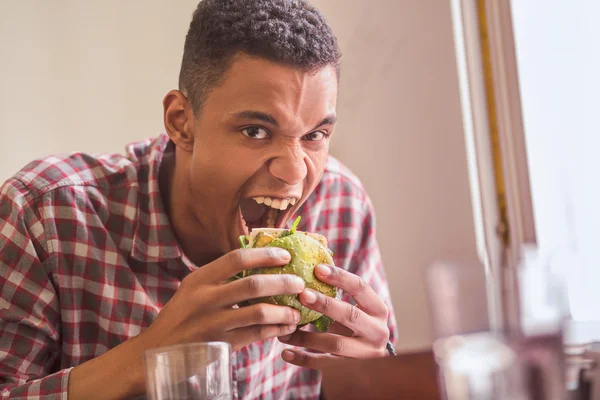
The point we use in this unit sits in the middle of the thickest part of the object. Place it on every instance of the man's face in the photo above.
(260, 145)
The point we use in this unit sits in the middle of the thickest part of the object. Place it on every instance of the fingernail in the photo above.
(287, 355)
(324, 270)
(297, 317)
(299, 282)
(309, 296)
(281, 253)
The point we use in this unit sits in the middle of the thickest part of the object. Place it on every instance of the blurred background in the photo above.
(91, 76)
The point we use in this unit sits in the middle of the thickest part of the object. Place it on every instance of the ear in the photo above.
(179, 120)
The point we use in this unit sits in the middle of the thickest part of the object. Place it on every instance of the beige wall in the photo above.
(90, 76)
(84, 75)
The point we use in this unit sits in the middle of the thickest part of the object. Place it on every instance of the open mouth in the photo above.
(265, 212)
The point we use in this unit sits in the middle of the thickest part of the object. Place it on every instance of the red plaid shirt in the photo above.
(88, 259)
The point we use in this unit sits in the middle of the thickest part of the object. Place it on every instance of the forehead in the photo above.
(289, 93)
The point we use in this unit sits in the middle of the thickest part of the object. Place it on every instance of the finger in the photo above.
(366, 298)
(339, 329)
(309, 360)
(260, 285)
(238, 260)
(333, 344)
(259, 314)
(340, 311)
(244, 336)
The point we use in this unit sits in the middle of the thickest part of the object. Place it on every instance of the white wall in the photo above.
(91, 76)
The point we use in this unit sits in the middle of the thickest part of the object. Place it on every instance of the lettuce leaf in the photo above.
(322, 323)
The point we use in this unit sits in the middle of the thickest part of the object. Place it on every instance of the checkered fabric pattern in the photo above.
(88, 259)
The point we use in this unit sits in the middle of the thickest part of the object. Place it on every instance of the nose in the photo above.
(290, 165)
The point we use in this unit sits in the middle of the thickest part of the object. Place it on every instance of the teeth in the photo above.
(284, 204)
(278, 204)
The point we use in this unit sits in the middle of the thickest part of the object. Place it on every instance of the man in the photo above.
(104, 257)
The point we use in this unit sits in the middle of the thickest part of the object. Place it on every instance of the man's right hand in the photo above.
(203, 309)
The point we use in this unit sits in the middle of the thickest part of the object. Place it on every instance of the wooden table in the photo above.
(406, 376)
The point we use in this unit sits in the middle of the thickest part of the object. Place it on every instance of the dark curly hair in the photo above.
(291, 32)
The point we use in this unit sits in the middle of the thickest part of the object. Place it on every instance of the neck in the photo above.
(189, 232)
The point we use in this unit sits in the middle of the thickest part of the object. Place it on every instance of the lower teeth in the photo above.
(271, 218)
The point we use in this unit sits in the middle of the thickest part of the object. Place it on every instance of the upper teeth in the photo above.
(278, 204)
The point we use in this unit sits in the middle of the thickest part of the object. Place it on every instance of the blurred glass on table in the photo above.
(543, 311)
(189, 371)
(521, 360)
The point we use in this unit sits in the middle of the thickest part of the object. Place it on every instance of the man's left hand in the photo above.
(360, 331)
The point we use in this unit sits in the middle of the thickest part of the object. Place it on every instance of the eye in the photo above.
(315, 136)
(254, 132)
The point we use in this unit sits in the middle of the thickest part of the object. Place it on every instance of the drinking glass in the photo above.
(189, 371)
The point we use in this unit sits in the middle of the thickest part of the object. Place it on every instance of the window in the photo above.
(558, 62)
(544, 64)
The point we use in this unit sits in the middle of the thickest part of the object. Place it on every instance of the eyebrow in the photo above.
(261, 116)
(328, 120)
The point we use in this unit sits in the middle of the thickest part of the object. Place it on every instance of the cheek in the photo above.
(203, 175)
(316, 164)
(216, 179)
(319, 157)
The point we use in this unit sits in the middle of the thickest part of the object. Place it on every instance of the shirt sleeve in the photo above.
(366, 262)
(29, 310)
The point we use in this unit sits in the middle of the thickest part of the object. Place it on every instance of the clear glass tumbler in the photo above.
(189, 371)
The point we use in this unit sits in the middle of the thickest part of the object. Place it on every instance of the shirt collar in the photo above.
(153, 240)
